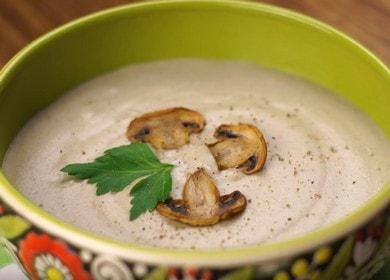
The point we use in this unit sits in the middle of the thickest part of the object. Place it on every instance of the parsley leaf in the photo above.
(119, 167)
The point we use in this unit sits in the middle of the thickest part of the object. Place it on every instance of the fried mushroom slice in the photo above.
(239, 146)
(202, 204)
(166, 129)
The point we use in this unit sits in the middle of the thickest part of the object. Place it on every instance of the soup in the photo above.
(325, 157)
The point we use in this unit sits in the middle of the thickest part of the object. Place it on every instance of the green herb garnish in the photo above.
(119, 167)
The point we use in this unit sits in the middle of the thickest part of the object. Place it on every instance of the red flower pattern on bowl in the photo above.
(43, 256)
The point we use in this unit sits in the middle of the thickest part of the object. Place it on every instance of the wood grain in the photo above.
(21, 21)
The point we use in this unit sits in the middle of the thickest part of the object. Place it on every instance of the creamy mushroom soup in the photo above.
(325, 157)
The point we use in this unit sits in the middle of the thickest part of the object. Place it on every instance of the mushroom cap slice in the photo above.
(166, 129)
(239, 146)
(202, 204)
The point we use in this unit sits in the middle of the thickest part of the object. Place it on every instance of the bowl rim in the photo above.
(200, 257)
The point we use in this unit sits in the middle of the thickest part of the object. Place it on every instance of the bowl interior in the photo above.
(203, 29)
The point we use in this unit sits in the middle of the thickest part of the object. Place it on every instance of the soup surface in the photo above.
(325, 157)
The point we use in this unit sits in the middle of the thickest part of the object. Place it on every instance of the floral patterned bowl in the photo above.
(47, 248)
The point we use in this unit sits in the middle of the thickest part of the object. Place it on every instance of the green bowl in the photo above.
(356, 245)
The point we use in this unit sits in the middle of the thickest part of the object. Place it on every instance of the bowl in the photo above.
(47, 248)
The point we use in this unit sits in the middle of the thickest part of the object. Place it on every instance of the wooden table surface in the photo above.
(21, 21)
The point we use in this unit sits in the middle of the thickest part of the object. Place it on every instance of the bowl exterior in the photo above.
(41, 255)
